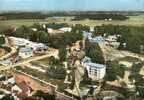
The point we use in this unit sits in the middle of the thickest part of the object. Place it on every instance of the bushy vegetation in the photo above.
(101, 16)
(80, 28)
(62, 54)
(136, 67)
(7, 49)
(78, 15)
(8, 97)
(56, 41)
(114, 70)
(23, 15)
(2, 40)
(44, 96)
(56, 71)
(56, 25)
(64, 39)
(93, 51)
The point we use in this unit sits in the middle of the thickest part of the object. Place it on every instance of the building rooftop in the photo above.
(25, 49)
(6, 62)
(97, 39)
(87, 61)
(94, 65)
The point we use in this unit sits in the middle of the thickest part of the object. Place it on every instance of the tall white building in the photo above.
(95, 71)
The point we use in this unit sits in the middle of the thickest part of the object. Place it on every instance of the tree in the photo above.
(2, 40)
(114, 70)
(62, 53)
(56, 71)
(80, 28)
(43, 37)
(38, 26)
(8, 97)
(94, 52)
(44, 96)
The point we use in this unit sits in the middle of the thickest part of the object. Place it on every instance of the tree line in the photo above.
(101, 16)
(77, 15)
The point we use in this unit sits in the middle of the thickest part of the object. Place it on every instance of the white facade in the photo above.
(111, 38)
(34, 29)
(95, 71)
(19, 42)
(97, 39)
(66, 29)
(87, 35)
(25, 52)
(50, 30)
(36, 46)
(16, 88)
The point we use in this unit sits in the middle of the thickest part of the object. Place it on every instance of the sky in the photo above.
(66, 5)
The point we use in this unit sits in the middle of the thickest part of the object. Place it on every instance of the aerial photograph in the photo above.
(71, 49)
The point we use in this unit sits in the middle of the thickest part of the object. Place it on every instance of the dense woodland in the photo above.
(94, 52)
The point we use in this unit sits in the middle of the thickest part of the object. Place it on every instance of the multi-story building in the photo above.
(95, 71)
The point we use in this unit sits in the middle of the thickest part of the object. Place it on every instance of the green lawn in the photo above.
(129, 59)
(44, 61)
(20, 22)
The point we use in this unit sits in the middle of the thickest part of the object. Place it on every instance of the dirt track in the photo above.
(2, 52)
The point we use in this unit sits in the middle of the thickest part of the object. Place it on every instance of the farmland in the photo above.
(132, 21)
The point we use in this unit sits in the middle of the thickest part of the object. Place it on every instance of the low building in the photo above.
(34, 29)
(54, 31)
(9, 81)
(97, 39)
(25, 52)
(37, 46)
(21, 90)
(111, 38)
(87, 35)
(112, 41)
(66, 29)
(6, 62)
(19, 41)
(95, 71)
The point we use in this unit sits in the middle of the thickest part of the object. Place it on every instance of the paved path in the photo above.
(113, 54)
(35, 67)
(13, 51)
(49, 54)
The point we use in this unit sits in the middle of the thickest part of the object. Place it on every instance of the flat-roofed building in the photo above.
(25, 52)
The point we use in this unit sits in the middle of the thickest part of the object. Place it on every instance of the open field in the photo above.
(18, 22)
(133, 21)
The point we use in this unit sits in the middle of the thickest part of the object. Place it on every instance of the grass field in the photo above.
(133, 21)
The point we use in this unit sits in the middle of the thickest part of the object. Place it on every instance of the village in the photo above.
(80, 71)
